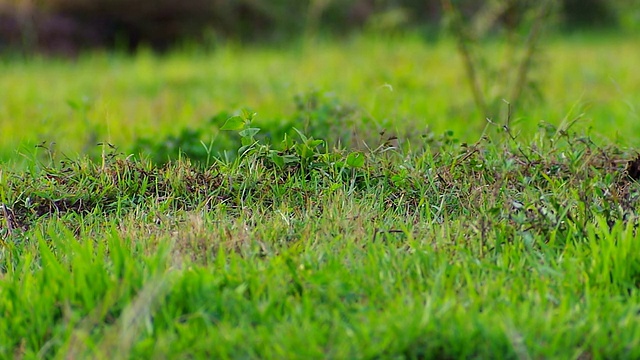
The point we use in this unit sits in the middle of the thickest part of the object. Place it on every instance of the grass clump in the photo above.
(438, 249)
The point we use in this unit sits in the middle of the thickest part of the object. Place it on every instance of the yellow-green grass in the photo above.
(404, 81)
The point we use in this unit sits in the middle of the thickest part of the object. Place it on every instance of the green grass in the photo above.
(151, 96)
(418, 247)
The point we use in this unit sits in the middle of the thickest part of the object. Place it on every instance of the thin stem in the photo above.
(530, 48)
(465, 52)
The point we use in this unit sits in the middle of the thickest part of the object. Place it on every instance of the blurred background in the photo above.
(68, 26)
(160, 77)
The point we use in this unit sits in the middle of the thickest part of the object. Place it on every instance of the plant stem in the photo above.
(465, 52)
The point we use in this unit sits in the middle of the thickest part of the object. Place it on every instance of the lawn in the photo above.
(398, 83)
(443, 236)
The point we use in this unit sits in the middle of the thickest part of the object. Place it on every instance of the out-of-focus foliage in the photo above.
(67, 25)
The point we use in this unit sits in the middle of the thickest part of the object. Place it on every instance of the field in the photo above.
(393, 221)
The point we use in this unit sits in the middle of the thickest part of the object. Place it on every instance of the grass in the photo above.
(119, 99)
(417, 247)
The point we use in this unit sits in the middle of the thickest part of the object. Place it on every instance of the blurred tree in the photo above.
(588, 13)
(67, 23)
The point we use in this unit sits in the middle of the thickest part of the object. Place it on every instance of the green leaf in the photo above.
(398, 180)
(304, 151)
(355, 160)
(288, 142)
(314, 143)
(304, 138)
(245, 149)
(249, 132)
(277, 159)
(248, 115)
(233, 123)
(246, 141)
(288, 159)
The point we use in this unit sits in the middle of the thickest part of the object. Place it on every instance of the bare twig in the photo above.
(465, 52)
(530, 48)
(515, 76)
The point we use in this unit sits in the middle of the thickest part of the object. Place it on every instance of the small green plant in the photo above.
(226, 136)
(293, 152)
(201, 145)
(242, 124)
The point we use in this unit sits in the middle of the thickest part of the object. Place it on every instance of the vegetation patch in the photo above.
(310, 231)
(130, 253)
(556, 185)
